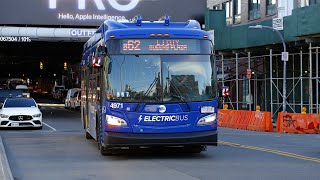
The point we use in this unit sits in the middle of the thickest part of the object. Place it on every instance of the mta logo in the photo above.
(100, 5)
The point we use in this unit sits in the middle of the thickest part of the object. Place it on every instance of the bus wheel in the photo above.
(106, 151)
(103, 150)
(88, 136)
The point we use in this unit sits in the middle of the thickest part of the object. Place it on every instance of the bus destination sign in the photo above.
(160, 46)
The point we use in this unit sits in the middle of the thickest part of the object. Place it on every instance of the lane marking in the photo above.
(49, 126)
(5, 167)
(283, 153)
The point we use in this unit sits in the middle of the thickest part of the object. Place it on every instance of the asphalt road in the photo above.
(60, 151)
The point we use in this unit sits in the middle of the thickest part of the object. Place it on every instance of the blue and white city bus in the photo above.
(149, 84)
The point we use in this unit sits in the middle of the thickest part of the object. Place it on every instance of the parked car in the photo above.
(20, 112)
(62, 94)
(55, 91)
(3, 86)
(73, 98)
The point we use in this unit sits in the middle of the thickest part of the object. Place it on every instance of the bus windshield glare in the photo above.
(161, 72)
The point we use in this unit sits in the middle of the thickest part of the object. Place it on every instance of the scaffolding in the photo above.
(258, 80)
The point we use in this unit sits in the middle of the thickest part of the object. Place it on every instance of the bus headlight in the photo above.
(210, 119)
(115, 121)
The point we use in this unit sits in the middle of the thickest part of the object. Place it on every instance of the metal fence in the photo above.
(258, 80)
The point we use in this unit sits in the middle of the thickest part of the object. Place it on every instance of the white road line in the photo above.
(5, 167)
(49, 126)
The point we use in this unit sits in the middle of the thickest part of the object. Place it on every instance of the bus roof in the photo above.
(143, 29)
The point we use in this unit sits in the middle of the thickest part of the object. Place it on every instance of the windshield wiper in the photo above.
(154, 82)
(180, 95)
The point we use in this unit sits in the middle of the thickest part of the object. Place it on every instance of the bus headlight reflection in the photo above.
(115, 121)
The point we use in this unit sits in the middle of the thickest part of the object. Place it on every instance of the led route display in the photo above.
(159, 46)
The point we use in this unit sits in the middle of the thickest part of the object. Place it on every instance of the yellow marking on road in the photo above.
(283, 153)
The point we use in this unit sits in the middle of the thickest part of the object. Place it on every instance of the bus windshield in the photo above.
(160, 78)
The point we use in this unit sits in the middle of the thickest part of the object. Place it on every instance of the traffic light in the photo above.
(41, 65)
(65, 66)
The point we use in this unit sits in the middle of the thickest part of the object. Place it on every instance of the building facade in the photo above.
(250, 60)
(248, 11)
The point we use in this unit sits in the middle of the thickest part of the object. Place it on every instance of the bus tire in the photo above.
(103, 150)
(88, 136)
(106, 151)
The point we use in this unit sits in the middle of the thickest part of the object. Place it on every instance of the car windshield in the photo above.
(19, 102)
(161, 78)
(75, 94)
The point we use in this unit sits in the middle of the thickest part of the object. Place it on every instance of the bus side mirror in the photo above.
(1, 105)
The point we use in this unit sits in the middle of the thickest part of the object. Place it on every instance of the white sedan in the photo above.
(20, 112)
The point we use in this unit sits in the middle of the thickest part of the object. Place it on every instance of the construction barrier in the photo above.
(260, 121)
(248, 120)
(223, 117)
(298, 123)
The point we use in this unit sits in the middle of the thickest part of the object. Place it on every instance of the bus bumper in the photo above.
(113, 139)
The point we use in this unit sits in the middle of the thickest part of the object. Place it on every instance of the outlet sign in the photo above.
(94, 12)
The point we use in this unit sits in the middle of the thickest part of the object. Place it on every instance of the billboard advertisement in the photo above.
(94, 12)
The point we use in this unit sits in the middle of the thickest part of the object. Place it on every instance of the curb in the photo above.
(6, 173)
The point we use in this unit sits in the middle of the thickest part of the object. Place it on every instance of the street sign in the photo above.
(249, 73)
(277, 23)
(249, 99)
(225, 91)
(281, 12)
(211, 33)
(284, 56)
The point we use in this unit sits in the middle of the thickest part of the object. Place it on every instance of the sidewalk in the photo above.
(5, 171)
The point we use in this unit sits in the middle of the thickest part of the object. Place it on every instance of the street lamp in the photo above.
(284, 93)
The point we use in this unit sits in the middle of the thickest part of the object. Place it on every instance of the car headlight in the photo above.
(115, 121)
(37, 115)
(210, 119)
(4, 116)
